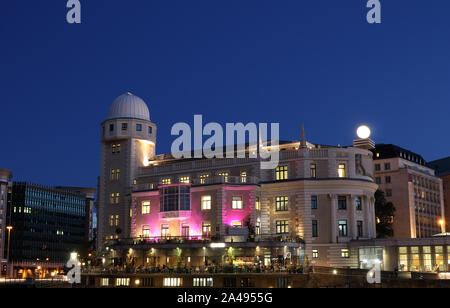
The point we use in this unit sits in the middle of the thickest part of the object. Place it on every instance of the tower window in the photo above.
(139, 127)
(111, 127)
(341, 171)
(124, 126)
(150, 130)
(313, 171)
(281, 173)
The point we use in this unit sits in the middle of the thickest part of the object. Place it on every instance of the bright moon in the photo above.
(363, 132)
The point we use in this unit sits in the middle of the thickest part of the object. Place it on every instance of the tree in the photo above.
(385, 213)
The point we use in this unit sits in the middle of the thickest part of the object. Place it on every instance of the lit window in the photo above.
(341, 171)
(113, 148)
(345, 253)
(281, 173)
(105, 282)
(113, 174)
(282, 226)
(281, 204)
(257, 204)
(122, 282)
(313, 171)
(111, 220)
(118, 148)
(236, 224)
(117, 220)
(117, 174)
(204, 178)
(145, 207)
(166, 181)
(202, 282)
(224, 176)
(315, 254)
(206, 229)
(172, 282)
(206, 203)
(243, 177)
(117, 198)
(237, 203)
(185, 179)
(165, 230)
(146, 231)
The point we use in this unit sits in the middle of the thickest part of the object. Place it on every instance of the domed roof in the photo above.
(129, 106)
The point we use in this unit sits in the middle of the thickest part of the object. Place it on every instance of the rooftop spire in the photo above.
(303, 137)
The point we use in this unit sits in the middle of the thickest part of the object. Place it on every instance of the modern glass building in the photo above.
(48, 224)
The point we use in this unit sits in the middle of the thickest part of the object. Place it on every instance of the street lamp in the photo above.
(442, 223)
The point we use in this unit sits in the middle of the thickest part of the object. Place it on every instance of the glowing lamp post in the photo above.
(442, 223)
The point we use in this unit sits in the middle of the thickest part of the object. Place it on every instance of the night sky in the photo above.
(284, 61)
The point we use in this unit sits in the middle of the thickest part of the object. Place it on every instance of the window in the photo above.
(175, 198)
(111, 127)
(358, 203)
(282, 226)
(313, 171)
(185, 179)
(204, 178)
(117, 198)
(224, 176)
(165, 232)
(281, 204)
(113, 148)
(172, 282)
(345, 253)
(359, 225)
(341, 171)
(244, 177)
(105, 282)
(314, 202)
(343, 228)
(166, 181)
(281, 173)
(146, 231)
(258, 226)
(111, 220)
(145, 207)
(206, 229)
(257, 204)
(206, 203)
(387, 166)
(388, 180)
(237, 203)
(117, 174)
(377, 167)
(185, 230)
(139, 127)
(315, 230)
(118, 148)
(117, 220)
(315, 254)
(202, 282)
(124, 126)
(150, 130)
(378, 180)
(342, 202)
(388, 192)
(122, 282)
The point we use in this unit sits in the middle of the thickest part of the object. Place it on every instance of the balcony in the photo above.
(211, 180)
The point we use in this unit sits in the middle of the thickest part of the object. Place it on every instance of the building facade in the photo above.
(442, 168)
(48, 224)
(5, 187)
(413, 188)
(162, 211)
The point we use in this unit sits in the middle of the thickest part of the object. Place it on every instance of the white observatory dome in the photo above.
(129, 106)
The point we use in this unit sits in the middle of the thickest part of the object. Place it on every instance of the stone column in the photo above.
(333, 225)
(367, 210)
(352, 218)
(373, 223)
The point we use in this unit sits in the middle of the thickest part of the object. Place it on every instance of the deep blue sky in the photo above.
(283, 61)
